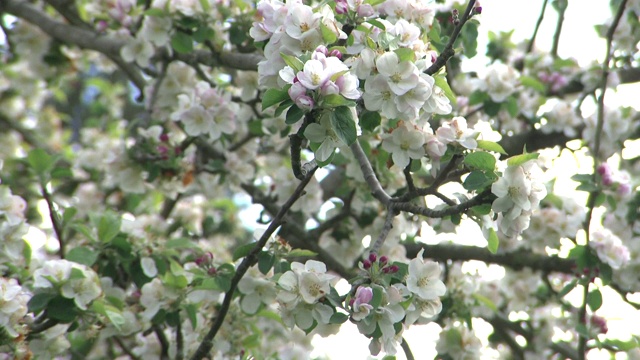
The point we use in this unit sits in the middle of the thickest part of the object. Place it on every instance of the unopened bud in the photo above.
(383, 259)
(164, 137)
(336, 53)
(366, 264)
(373, 257)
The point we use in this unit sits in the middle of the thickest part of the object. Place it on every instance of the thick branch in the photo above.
(515, 259)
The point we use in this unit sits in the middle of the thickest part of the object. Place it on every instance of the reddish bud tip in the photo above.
(373, 257)
(366, 264)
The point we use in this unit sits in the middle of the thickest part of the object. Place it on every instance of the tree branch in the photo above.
(516, 260)
(448, 51)
(248, 262)
(538, 23)
(561, 7)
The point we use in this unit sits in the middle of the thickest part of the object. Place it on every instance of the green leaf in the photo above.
(328, 35)
(521, 159)
(338, 318)
(493, 241)
(491, 108)
(405, 54)
(485, 301)
(567, 288)
(243, 250)
(83, 255)
(478, 97)
(192, 311)
(477, 179)
(480, 160)
(344, 125)
(273, 96)
(40, 161)
(62, 309)
(441, 82)
(204, 33)
(594, 299)
(294, 114)
(108, 226)
(154, 12)
(376, 300)
(38, 302)
(533, 83)
(335, 100)
(301, 253)
(295, 63)
(182, 43)
(369, 120)
(512, 106)
(181, 243)
(265, 261)
(491, 146)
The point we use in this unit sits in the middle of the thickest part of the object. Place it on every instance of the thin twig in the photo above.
(538, 23)
(207, 343)
(55, 219)
(388, 225)
(562, 7)
(448, 51)
(582, 318)
(407, 350)
(164, 343)
(126, 349)
(179, 340)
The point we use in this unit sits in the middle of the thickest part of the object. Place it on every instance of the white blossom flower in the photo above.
(609, 248)
(379, 97)
(513, 190)
(401, 76)
(404, 143)
(82, 288)
(459, 343)
(13, 305)
(438, 102)
(52, 273)
(138, 50)
(424, 278)
(300, 20)
(256, 291)
(457, 131)
(500, 81)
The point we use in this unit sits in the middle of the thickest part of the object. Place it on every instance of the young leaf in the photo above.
(182, 43)
(594, 299)
(480, 160)
(521, 159)
(493, 241)
(491, 146)
(343, 124)
(272, 97)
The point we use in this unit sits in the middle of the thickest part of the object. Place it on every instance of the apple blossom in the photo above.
(424, 278)
(404, 143)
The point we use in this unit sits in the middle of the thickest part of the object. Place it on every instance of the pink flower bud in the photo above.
(624, 189)
(341, 7)
(373, 257)
(164, 137)
(323, 50)
(366, 264)
(393, 269)
(336, 53)
(212, 271)
(365, 10)
(383, 259)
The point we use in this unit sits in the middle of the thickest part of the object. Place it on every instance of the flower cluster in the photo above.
(519, 192)
(609, 248)
(394, 298)
(13, 305)
(300, 291)
(69, 279)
